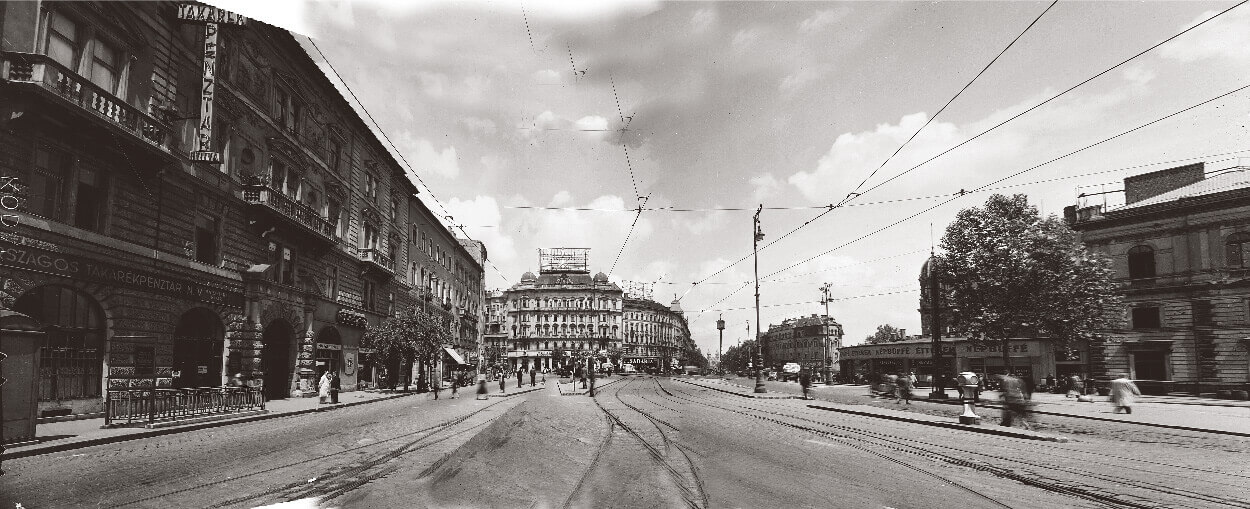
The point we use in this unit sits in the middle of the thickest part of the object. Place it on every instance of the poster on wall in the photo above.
(349, 362)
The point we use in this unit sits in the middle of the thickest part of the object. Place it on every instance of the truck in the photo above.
(790, 372)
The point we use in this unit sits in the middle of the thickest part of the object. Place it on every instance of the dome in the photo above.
(936, 262)
(601, 277)
(675, 306)
(529, 276)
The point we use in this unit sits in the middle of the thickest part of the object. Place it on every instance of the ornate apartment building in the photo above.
(802, 340)
(1181, 249)
(657, 337)
(148, 265)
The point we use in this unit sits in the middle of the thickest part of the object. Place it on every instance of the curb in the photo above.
(1008, 432)
(1107, 419)
(156, 432)
(747, 395)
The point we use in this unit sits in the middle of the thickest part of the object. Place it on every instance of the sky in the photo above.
(705, 106)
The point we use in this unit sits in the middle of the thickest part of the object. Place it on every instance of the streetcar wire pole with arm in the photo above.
(824, 290)
(759, 347)
(720, 351)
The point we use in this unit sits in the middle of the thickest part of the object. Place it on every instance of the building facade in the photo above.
(1181, 251)
(151, 268)
(802, 340)
(657, 337)
(562, 308)
(1033, 358)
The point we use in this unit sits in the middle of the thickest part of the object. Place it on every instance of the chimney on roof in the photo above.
(1147, 185)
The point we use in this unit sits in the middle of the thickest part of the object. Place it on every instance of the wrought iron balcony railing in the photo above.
(376, 257)
(79, 92)
(293, 211)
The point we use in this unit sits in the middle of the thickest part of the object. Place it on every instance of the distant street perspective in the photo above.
(624, 254)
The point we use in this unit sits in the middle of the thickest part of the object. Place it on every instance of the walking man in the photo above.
(481, 386)
(905, 385)
(805, 380)
(335, 385)
(1123, 391)
(1015, 403)
(533, 377)
(438, 387)
(520, 377)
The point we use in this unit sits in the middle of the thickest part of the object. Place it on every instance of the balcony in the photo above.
(83, 97)
(289, 212)
(376, 260)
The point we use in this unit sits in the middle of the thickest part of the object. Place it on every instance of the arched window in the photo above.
(1141, 262)
(1237, 250)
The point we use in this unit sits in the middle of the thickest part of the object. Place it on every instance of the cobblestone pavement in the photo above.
(642, 442)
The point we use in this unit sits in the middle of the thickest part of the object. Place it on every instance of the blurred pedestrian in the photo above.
(533, 377)
(805, 381)
(323, 388)
(1050, 382)
(438, 387)
(891, 386)
(1123, 392)
(1074, 386)
(520, 377)
(905, 386)
(481, 386)
(455, 384)
(502, 381)
(335, 385)
(1015, 404)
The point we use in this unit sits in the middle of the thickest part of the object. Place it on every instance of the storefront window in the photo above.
(71, 359)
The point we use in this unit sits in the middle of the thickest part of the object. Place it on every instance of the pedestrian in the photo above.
(533, 377)
(1074, 386)
(912, 376)
(520, 377)
(481, 386)
(544, 377)
(1123, 391)
(805, 380)
(455, 384)
(905, 385)
(502, 381)
(1015, 404)
(437, 387)
(1050, 382)
(334, 387)
(323, 388)
(891, 386)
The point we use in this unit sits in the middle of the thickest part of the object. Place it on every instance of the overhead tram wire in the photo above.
(832, 207)
(900, 148)
(1021, 172)
(409, 168)
(854, 193)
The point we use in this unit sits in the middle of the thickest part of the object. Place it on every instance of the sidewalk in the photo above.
(66, 435)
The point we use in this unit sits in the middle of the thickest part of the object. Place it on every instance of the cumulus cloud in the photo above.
(703, 19)
(1224, 38)
(426, 158)
(764, 186)
(476, 125)
(591, 127)
(702, 222)
(822, 19)
(481, 218)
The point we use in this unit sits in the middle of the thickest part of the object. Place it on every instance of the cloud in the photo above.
(1225, 38)
(590, 127)
(1138, 75)
(764, 186)
(822, 19)
(795, 81)
(703, 20)
(427, 159)
(702, 222)
(481, 217)
(469, 90)
(547, 77)
(476, 125)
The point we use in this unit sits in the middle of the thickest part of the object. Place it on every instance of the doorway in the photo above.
(198, 343)
(276, 359)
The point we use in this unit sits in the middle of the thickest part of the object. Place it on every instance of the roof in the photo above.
(563, 280)
(1237, 178)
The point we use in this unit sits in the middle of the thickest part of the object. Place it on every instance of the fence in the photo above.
(151, 405)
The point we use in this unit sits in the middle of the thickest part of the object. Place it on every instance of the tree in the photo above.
(1009, 273)
(739, 357)
(615, 354)
(886, 333)
(401, 341)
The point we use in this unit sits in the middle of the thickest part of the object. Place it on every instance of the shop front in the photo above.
(1030, 358)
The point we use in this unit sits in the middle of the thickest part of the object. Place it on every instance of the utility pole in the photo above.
(720, 350)
(935, 321)
(824, 290)
(759, 348)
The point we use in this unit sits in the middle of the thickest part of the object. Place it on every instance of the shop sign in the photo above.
(349, 363)
(912, 351)
(1023, 347)
(28, 257)
(208, 14)
(329, 346)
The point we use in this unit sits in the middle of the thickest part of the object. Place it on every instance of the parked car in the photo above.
(772, 375)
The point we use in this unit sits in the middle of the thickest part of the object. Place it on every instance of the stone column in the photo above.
(305, 358)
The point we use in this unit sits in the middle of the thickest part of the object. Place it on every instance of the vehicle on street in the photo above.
(629, 368)
(790, 372)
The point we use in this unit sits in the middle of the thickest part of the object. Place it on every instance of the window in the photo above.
(76, 46)
(334, 212)
(1150, 365)
(1237, 250)
(1141, 262)
(331, 288)
(71, 357)
(62, 190)
(283, 259)
(369, 294)
(283, 113)
(394, 208)
(336, 155)
(207, 233)
(1146, 318)
(370, 240)
(371, 187)
(49, 180)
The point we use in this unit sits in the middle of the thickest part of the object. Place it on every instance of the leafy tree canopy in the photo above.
(886, 333)
(1008, 273)
(408, 338)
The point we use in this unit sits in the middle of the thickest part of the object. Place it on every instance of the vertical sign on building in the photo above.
(212, 18)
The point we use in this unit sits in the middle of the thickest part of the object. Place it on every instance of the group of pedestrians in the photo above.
(896, 387)
(328, 388)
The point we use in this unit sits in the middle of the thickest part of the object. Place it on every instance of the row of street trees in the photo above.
(404, 341)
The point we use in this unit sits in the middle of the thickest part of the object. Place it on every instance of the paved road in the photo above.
(643, 442)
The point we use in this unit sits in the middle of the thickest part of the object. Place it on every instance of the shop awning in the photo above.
(454, 356)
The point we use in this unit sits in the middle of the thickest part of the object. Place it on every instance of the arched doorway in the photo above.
(329, 351)
(198, 342)
(71, 360)
(276, 359)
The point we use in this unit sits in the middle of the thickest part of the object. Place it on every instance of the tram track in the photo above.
(934, 451)
(331, 485)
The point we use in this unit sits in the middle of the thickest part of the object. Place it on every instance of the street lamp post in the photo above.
(824, 290)
(759, 349)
